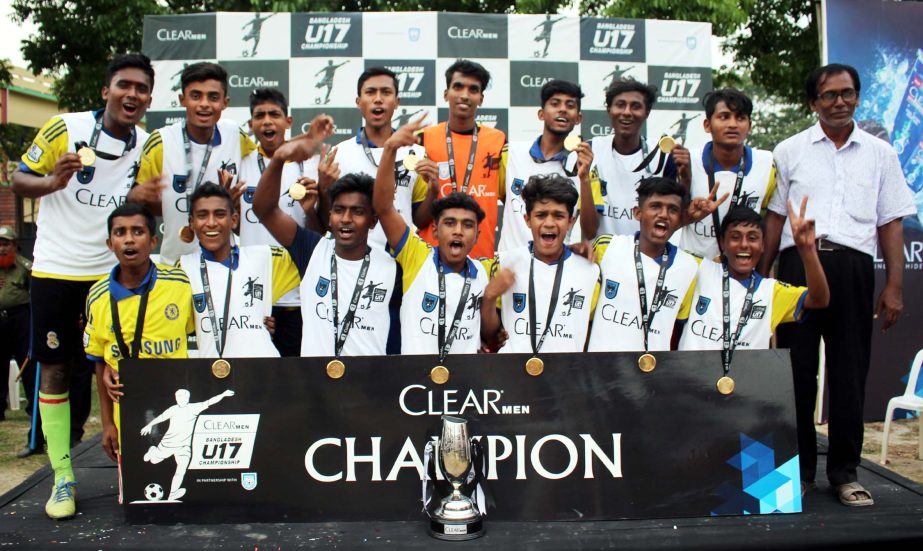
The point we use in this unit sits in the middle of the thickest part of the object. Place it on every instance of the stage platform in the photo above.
(896, 517)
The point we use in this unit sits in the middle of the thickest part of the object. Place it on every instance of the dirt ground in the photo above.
(903, 447)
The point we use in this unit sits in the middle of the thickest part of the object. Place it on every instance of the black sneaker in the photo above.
(27, 451)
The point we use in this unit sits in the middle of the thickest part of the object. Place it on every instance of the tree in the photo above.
(76, 40)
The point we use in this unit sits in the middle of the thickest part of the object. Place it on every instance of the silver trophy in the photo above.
(457, 517)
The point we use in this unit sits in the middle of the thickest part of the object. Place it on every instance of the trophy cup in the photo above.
(457, 517)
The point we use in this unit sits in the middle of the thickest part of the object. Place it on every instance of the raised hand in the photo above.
(584, 160)
(321, 127)
(700, 207)
(408, 134)
(328, 170)
(803, 232)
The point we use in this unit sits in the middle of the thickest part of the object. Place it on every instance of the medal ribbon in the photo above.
(728, 344)
(187, 146)
(648, 157)
(471, 155)
(206, 287)
(555, 290)
(445, 342)
(366, 148)
(647, 318)
(738, 186)
(131, 353)
(94, 139)
(339, 337)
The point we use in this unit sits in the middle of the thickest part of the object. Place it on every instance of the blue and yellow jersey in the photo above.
(169, 317)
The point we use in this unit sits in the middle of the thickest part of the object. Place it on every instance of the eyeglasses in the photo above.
(830, 96)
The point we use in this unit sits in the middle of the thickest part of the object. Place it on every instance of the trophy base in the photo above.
(456, 530)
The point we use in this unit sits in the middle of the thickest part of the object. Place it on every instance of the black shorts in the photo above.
(58, 306)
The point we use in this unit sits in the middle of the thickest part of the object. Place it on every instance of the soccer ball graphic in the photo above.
(153, 492)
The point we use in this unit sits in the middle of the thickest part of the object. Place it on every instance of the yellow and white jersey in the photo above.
(617, 319)
(252, 232)
(408, 189)
(575, 305)
(368, 335)
(616, 190)
(701, 238)
(71, 238)
(261, 275)
(167, 320)
(521, 164)
(164, 153)
(420, 307)
(774, 302)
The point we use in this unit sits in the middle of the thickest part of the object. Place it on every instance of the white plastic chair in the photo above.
(13, 385)
(909, 401)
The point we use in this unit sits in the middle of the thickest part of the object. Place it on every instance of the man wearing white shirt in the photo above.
(858, 193)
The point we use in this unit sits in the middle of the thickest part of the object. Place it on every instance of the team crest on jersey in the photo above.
(253, 291)
(702, 306)
(171, 311)
(35, 153)
(248, 194)
(322, 285)
(429, 302)
(516, 188)
(612, 289)
(757, 311)
(230, 167)
(669, 300)
(85, 176)
(52, 340)
(603, 187)
(573, 300)
(179, 183)
(198, 300)
(374, 292)
(519, 302)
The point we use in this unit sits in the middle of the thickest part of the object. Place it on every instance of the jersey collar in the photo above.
(747, 158)
(536, 153)
(216, 138)
(671, 248)
(132, 139)
(471, 266)
(567, 253)
(368, 141)
(232, 261)
(120, 292)
(745, 282)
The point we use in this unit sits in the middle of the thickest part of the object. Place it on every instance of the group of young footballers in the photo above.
(387, 242)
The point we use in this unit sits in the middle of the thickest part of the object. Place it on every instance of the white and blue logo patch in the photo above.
(35, 153)
(429, 302)
(516, 188)
(519, 302)
(248, 194)
(198, 300)
(612, 288)
(248, 481)
(322, 285)
(702, 306)
(179, 183)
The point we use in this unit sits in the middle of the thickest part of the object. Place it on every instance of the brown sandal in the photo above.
(845, 491)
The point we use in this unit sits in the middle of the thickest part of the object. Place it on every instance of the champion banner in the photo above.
(593, 437)
(316, 58)
(889, 58)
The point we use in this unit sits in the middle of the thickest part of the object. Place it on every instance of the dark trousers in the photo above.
(287, 337)
(846, 327)
(14, 344)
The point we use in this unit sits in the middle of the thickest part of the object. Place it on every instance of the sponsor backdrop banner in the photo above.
(889, 58)
(316, 58)
(593, 437)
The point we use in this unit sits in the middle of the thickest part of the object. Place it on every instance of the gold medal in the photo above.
(666, 144)
(87, 156)
(725, 385)
(335, 369)
(297, 191)
(535, 366)
(186, 235)
(647, 363)
(572, 142)
(221, 369)
(410, 161)
(439, 375)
